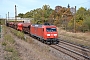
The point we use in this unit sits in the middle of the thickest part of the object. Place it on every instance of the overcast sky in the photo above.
(24, 6)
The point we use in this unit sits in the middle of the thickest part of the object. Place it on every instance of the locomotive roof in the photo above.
(39, 25)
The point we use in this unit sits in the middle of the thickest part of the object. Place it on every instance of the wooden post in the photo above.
(75, 21)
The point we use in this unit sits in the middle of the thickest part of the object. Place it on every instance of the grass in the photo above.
(12, 53)
(4, 43)
(18, 34)
(9, 46)
(12, 56)
(82, 39)
(21, 35)
(9, 38)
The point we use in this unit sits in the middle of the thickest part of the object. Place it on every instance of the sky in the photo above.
(24, 6)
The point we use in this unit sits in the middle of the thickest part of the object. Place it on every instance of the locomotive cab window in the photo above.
(51, 29)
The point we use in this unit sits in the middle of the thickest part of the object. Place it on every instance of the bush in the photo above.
(4, 43)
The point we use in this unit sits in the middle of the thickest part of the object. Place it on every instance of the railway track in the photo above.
(76, 47)
(74, 51)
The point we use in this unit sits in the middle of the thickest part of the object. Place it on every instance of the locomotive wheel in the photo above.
(55, 42)
(38, 39)
(49, 43)
(45, 42)
(42, 41)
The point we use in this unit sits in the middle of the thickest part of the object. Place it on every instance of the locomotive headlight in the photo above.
(48, 34)
(55, 34)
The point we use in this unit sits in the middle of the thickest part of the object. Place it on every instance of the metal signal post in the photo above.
(15, 13)
(8, 15)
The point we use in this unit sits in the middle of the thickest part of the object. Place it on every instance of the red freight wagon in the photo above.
(19, 26)
(11, 24)
(26, 27)
(45, 33)
(15, 25)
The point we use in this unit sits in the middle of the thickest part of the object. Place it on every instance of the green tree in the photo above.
(21, 15)
(87, 23)
(82, 20)
(46, 11)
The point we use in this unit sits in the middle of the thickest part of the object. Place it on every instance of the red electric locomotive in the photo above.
(45, 33)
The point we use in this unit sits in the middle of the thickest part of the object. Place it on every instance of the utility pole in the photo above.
(6, 20)
(15, 13)
(8, 16)
(75, 21)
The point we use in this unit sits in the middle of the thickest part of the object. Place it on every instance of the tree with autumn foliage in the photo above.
(82, 19)
(61, 17)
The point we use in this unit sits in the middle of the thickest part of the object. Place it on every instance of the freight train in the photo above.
(45, 33)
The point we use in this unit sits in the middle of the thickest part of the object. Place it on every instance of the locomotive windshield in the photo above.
(51, 29)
